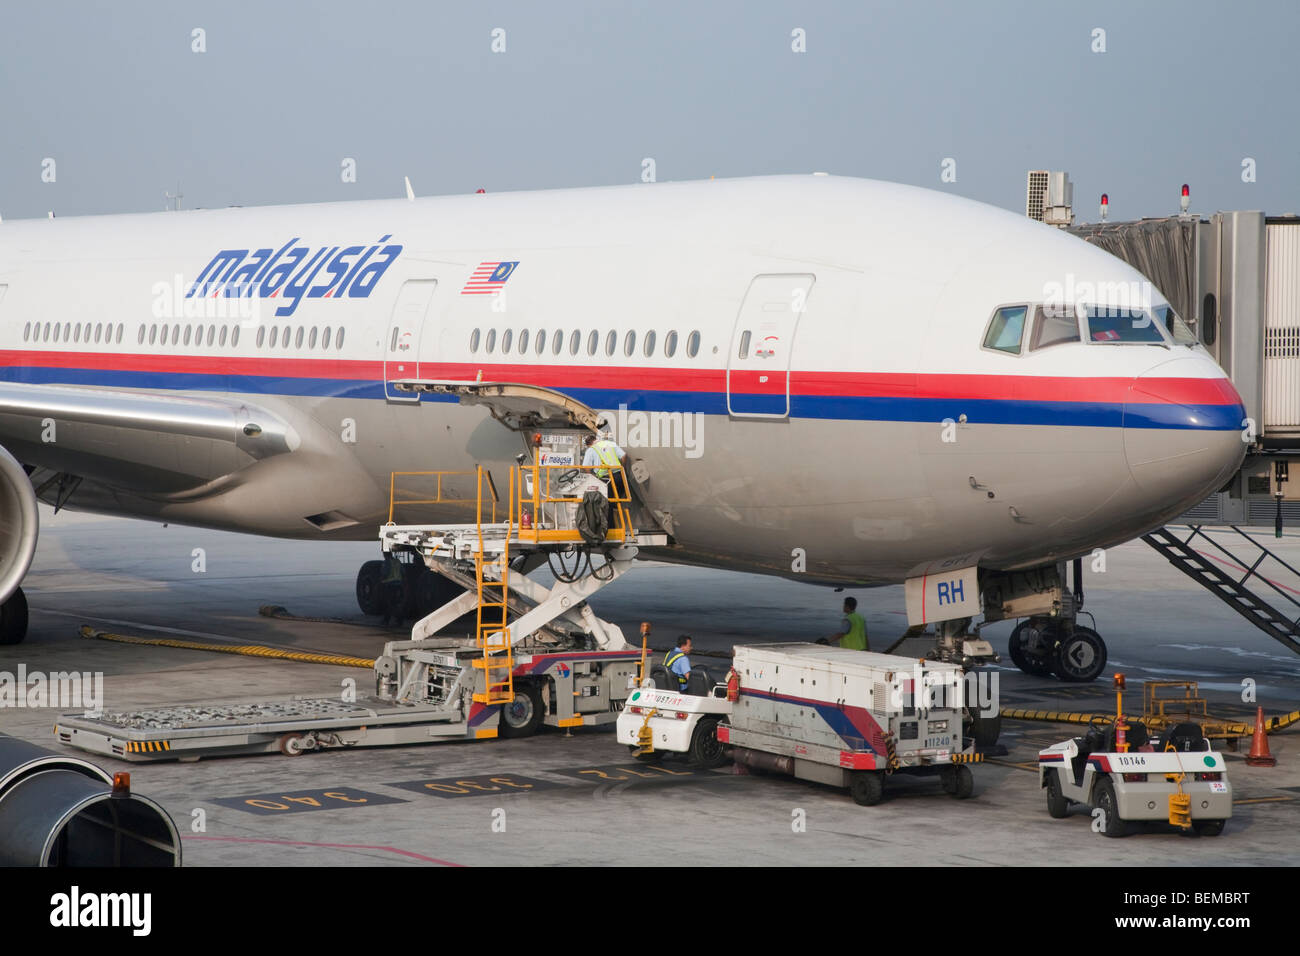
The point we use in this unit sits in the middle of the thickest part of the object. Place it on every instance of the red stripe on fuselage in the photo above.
(1024, 388)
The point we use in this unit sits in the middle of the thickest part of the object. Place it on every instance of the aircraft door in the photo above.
(758, 365)
(402, 345)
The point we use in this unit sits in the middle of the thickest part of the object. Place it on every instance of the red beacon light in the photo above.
(1186, 199)
(480, 192)
(1105, 206)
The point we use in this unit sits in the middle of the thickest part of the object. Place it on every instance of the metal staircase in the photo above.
(1211, 574)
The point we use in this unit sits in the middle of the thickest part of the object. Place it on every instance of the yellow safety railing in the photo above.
(440, 498)
(493, 618)
(541, 514)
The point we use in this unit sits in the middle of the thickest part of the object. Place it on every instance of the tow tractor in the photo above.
(831, 715)
(1120, 769)
(539, 655)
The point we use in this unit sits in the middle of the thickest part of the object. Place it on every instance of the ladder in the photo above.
(1208, 573)
(492, 581)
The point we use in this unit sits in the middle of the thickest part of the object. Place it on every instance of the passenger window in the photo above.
(593, 342)
(338, 339)
(297, 341)
(557, 341)
(506, 338)
(76, 333)
(140, 337)
(649, 346)
(491, 341)
(234, 336)
(261, 337)
(176, 334)
(670, 344)
(1007, 329)
(311, 338)
(541, 341)
(629, 344)
(611, 342)
(574, 341)
(99, 330)
(693, 344)
(189, 331)
(67, 331)
(744, 345)
(392, 342)
(1054, 326)
(474, 337)
(198, 336)
(212, 334)
(153, 334)
(523, 341)
(275, 335)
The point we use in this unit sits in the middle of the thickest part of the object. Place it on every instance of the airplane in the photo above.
(836, 380)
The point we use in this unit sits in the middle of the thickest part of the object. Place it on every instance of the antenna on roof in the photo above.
(174, 199)
(410, 193)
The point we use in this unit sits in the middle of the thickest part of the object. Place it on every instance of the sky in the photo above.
(284, 95)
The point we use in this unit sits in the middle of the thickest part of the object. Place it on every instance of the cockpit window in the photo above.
(1107, 325)
(1006, 329)
(1054, 325)
(1177, 327)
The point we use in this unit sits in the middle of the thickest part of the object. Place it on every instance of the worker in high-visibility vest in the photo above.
(607, 460)
(853, 629)
(678, 663)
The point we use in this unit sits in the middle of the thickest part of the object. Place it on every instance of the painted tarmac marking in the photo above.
(623, 773)
(334, 798)
(328, 846)
(477, 786)
(1263, 800)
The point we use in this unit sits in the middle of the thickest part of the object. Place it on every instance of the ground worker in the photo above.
(853, 629)
(607, 460)
(677, 663)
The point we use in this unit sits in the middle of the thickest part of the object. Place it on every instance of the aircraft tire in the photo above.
(369, 593)
(1021, 657)
(1080, 656)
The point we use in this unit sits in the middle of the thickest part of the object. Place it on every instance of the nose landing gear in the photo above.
(1050, 640)
(1043, 646)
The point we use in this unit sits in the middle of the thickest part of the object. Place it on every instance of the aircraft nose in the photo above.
(1183, 426)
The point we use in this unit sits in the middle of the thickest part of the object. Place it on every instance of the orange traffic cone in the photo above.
(1259, 755)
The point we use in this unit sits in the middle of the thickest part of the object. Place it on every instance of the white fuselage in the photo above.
(827, 409)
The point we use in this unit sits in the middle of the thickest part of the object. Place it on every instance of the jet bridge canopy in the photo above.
(517, 406)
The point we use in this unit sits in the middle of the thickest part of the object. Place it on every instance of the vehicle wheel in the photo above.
(984, 731)
(1022, 656)
(290, 745)
(369, 596)
(867, 787)
(1104, 800)
(1208, 827)
(522, 717)
(1080, 656)
(13, 618)
(963, 782)
(1057, 806)
(706, 750)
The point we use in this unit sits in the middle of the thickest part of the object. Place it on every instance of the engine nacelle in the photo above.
(19, 524)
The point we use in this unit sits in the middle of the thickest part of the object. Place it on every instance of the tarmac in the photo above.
(558, 799)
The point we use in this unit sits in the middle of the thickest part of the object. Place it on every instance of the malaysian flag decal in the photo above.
(488, 278)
